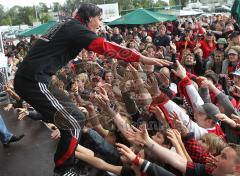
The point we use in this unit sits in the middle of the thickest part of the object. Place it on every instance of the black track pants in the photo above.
(55, 106)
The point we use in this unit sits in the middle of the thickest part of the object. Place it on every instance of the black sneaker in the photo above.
(14, 139)
(70, 172)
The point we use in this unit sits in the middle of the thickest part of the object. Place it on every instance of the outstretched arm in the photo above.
(113, 50)
(98, 163)
(166, 155)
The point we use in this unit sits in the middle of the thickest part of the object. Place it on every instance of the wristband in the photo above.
(137, 159)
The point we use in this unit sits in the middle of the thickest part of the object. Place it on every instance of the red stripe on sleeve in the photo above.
(113, 50)
(69, 152)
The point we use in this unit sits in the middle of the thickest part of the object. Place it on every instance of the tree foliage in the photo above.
(27, 15)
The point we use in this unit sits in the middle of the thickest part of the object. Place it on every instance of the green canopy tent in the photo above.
(142, 16)
(41, 29)
(235, 12)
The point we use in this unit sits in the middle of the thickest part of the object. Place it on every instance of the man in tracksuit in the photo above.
(52, 51)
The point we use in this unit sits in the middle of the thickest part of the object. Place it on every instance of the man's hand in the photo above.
(154, 61)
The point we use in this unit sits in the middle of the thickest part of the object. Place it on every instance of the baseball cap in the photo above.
(232, 51)
(236, 72)
(209, 109)
(221, 41)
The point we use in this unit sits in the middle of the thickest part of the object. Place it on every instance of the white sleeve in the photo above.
(194, 96)
(170, 106)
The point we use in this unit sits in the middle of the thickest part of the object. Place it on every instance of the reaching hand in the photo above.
(172, 137)
(22, 113)
(236, 118)
(154, 61)
(178, 124)
(159, 114)
(180, 72)
(139, 136)
(173, 46)
(103, 102)
(127, 152)
(103, 93)
(90, 108)
(178, 135)
(152, 85)
(134, 71)
(226, 119)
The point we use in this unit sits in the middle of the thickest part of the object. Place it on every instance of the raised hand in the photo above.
(134, 71)
(152, 85)
(172, 137)
(226, 119)
(178, 124)
(180, 72)
(159, 115)
(178, 135)
(103, 93)
(154, 61)
(103, 102)
(138, 136)
(173, 47)
(236, 118)
(127, 152)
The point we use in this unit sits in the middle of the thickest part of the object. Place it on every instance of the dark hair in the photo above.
(104, 74)
(87, 10)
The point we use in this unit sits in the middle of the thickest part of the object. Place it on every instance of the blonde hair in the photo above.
(83, 77)
(55, 82)
(215, 143)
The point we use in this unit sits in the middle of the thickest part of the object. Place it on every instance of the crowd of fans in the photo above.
(149, 120)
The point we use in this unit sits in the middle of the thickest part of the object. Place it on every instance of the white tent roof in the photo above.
(111, 19)
(189, 12)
